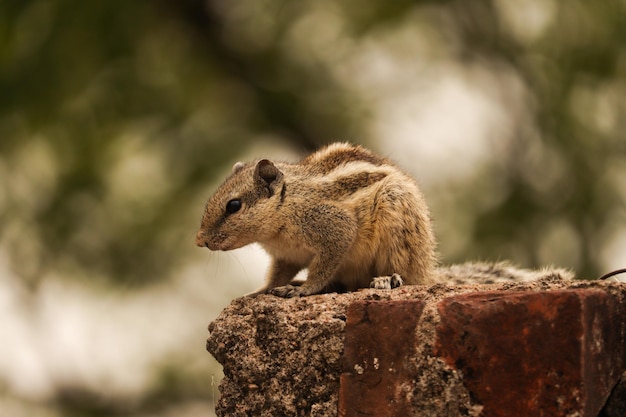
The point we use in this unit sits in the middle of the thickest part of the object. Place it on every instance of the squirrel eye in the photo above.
(233, 206)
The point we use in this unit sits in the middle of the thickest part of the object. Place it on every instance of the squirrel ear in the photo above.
(238, 166)
(267, 173)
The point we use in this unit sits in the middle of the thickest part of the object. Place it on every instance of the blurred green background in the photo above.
(118, 118)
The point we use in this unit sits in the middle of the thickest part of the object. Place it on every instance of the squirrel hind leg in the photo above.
(387, 283)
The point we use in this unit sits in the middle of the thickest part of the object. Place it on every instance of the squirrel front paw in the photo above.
(290, 291)
(387, 283)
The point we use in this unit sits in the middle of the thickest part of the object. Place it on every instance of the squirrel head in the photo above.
(241, 209)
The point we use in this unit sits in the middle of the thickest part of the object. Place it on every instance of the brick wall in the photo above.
(548, 348)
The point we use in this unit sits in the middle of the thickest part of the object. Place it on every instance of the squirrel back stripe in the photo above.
(338, 154)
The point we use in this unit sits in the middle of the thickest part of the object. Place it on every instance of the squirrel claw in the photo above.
(387, 283)
(289, 291)
(286, 291)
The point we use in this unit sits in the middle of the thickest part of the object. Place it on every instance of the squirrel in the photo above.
(348, 215)
(351, 217)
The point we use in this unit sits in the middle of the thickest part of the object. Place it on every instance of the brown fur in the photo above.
(345, 213)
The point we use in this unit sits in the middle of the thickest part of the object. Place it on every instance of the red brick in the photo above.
(616, 404)
(550, 353)
(379, 341)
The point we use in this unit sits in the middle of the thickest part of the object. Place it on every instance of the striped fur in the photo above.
(345, 213)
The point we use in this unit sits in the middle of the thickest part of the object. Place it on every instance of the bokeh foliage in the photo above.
(576, 73)
(116, 118)
(189, 84)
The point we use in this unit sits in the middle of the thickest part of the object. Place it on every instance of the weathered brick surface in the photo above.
(379, 342)
(550, 347)
(616, 404)
(554, 353)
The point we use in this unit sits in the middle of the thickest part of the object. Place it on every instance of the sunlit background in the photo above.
(118, 119)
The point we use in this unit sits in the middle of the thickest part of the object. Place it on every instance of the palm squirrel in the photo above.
(343, 212)
(351, 217)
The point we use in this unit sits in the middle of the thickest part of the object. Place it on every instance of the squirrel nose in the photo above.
(201, 239)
